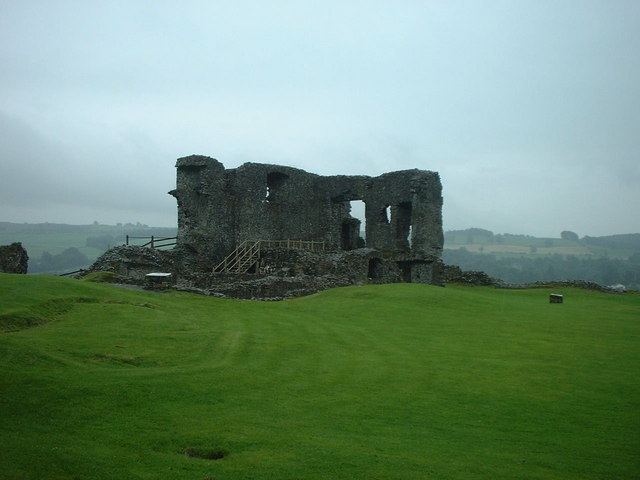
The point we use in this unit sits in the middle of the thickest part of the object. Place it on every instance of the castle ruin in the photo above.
(220, 208)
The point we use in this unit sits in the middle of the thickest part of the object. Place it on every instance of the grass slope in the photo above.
(396, 381)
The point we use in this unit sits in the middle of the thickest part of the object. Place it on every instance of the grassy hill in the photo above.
(399, 381)
(609, 260)
(478, 240)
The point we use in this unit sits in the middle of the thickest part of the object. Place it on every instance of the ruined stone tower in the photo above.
(218, 208)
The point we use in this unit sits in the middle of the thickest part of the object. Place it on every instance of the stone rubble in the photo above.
(13, 258)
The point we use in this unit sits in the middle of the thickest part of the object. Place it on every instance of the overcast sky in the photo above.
(530, 110)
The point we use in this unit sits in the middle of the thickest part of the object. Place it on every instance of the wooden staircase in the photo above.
(245, 256)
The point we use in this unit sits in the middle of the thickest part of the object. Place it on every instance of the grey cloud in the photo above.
(525, 108)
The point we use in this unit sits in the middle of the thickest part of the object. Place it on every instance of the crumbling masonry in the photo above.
(219, 208)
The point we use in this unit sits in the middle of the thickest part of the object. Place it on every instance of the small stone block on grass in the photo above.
(556, 298)
(158, 279)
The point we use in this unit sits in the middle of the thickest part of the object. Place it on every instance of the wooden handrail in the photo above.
(293, 244)
(241, 259)
(154, 242)
(247, 253)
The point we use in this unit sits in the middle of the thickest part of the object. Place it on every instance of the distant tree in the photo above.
(630, 240)
(470, 235)
(45, 262)
(569, 235)
(70, 258)
(480, 232)
(101, 242)
(548, 242)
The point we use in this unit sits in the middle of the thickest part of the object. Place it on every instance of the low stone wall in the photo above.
(454, 274)
(281, 273)
(133, 262)
(284, 273)
(269, 287)
(559, 284)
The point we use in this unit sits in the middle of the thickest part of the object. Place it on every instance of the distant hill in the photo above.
(630, 241)
(484, 241)
(58, 248)
(63, 228)
(605, 260)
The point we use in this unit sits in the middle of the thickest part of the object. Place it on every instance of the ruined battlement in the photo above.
(219, 208)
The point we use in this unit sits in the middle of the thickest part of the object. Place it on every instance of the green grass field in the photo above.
(513, 245)
(397, 381)
(521, 250)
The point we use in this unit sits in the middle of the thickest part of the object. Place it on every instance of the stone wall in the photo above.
(132, 262)
(284, 273)
(454, 274)
(218, 208)
(13, 258)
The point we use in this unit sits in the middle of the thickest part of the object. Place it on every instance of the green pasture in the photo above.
(513, 240)
(397, 381)
(55, 238)
(54, 243)
(505, 246)
(501, 250)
